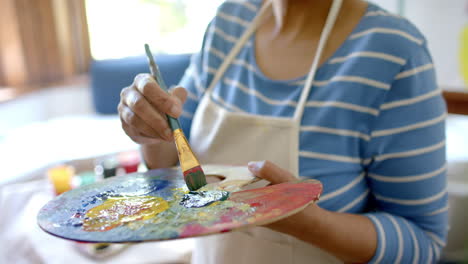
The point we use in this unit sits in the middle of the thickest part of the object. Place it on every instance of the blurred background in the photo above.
(62, 66)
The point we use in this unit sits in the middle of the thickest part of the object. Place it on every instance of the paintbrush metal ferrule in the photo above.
(193, 173)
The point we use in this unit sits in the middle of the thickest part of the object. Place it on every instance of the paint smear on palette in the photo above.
(182, 221)
(203, 198)
(156, 205)
(116, 211)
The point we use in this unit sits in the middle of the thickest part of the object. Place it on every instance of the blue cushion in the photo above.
(109, 77)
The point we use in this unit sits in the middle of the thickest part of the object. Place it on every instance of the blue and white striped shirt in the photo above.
(373, 130)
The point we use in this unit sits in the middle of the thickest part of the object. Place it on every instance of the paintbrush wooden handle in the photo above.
(193, 173)
(173, 122)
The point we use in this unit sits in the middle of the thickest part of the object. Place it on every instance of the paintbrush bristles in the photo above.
(195, 178)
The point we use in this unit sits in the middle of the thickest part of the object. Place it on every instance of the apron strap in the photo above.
(330, 22)
(331, 19)
(238, 46)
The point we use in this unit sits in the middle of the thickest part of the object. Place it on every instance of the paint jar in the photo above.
(83, 178)
(108, 167)
(129, 161)
(61, 177)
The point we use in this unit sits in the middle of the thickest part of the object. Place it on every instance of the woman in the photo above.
(366, 119)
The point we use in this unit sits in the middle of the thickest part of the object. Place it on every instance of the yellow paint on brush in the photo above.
(116, 211)
(186, 157)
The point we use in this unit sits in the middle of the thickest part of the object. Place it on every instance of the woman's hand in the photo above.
(143, 107)
(274, 174)
(267, 170)
(350, 237)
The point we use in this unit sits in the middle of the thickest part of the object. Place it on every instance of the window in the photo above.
(42, 43)
(119, 28)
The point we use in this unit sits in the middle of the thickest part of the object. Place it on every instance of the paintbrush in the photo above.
(193, 174)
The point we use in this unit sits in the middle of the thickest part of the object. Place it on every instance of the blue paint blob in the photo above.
(102, 196)
(155, 185)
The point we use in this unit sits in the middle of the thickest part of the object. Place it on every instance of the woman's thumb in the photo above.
(270, 172)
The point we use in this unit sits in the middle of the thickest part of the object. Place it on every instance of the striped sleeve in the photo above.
(407, 173)
(195, 87)
(195, 81)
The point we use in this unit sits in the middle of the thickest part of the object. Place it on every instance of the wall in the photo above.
(442, 23)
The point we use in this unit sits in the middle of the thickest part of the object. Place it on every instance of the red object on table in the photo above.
(129, 161)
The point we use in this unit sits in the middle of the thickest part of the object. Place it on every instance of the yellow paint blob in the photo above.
(116, 211)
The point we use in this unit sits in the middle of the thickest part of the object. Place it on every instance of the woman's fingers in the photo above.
(139, 113)
(270, 172)
(137, 136)
(160, 99)
(129, 118)
(180, 93)
(143, 108)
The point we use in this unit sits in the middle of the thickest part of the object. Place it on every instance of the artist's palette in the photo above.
(146, 207)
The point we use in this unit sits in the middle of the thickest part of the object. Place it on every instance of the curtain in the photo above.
(42, 41)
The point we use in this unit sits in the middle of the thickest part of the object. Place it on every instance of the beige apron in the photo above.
(219, 136)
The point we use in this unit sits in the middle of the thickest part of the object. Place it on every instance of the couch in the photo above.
(108, 77)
